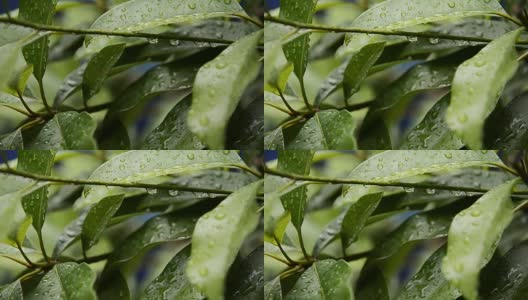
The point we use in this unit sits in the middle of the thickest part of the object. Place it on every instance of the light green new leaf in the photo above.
(327, 130)
(429, 283)
(433, 133)
(218, 87)
(66, 281)
(325, 279)
(40, 12)
(99, 68)
(477, 86)
(396, 164)
(397, 14)
(22, 230)
(273, 290)
(295, 162)
(349, 223)
(217, 239)
(97, 219)
(172, 283)
(474, 235)
(36, 204)
(22, 79)
(359, 66)
(136, 166)
(12, 141)
(296, 51)
(173, 132)
(11, 291)
(66, 131)
(138, 15)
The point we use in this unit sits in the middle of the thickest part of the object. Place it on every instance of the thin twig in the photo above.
(293, 111)
(43, 95)
(291, 261)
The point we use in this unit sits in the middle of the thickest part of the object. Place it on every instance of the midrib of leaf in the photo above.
(316, 271)
(325, 142)
(63, 291)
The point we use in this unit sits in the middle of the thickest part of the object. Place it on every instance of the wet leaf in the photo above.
(325, 279)
(135, 166)
(473, 237)
(71, 233)
(372, 285)
(66, 131)
(173, 133)
(70, 85)
(11, 291)
(66, 281)
(326, 130)
(172, 283)
(359, 66)
(217, 239)
(22, 230)
(477, 86)
(98, 218)
(245, 279)
(274, 140)
(99, 68)
(12, 33)
(273, 290)
(12, 141)
(218, 87)
(507, 127)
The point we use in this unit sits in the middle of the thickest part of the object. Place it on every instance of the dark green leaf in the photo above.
(172, 283)
(70, 234)
(172, 133)
(217, 239)
(113, 286)
(359, 66)
(70, 84)
(274, 140)
(507, 127)
(12, 141)
(273, 290)
(99, 68)
(11, 291)
(372, 285)
(97, 219)
(331, 83)
(246, 277)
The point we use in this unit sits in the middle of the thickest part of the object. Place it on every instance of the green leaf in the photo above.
(474, 235)
(397, 14)
(506, 127)
(67, 281)
(22, 230)
(23, 78)
(70, 234)
(372, 285)
(296, 51)
(349, 223)
(274, 140)
(40, 12)
(394, 165)
(429, 282)
(218, 87)
(70, 85)
(327, 130)
(138, 15)
(273, 290)
(97, 219)
(177, 226)
(359, 66)
(35, 204)
(11, 291)
(477, 85)
(12, 141)
(325, 279)
(99, 68)
(245, 279)
(172, 283)
(173, 133)
(113, 286)
(135, 166)
(295, 162)
(433, 133)
(66, 131)
(217, 239)
(12, 33)
(331, 83)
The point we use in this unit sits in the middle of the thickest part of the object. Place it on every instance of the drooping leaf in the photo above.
(99, 68)
(66, 131)
(66, 281)
(295, 162)
(40, 12)
(296, 51)
(359, 66)
(473, 237)
(372, 285)
(172, 283)
(97, 219)
(70, 84)
(134, 166)
(113, 286)
(394, 165)
(429, 282)
(71, 233)
(349, 223)
(217, 239)
(138, 15)
(477, 86)
(245, 279)
(274, 140)
(173, 133)
(397, 14)
(325, 279)
(433, 133)
(218, 87)
(331, 83)
(35, 204)
(506, 128)
(11, 291)
(273, 290)
(326, 130)
(12, 141)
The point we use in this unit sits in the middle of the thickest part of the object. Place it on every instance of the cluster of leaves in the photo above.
(135, 74)
(396, 74)
(396, 225)
(133, 224)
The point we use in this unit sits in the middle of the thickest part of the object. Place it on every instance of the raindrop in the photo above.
(173, 192)
(433, 40)
(475, 213)
(151, 191)
(219, 216)
(192, 5)
(430, 191)
(153, 41)
(451, 4)
(190, 156)
(448, 155)
(408, 189)
(174, 42)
